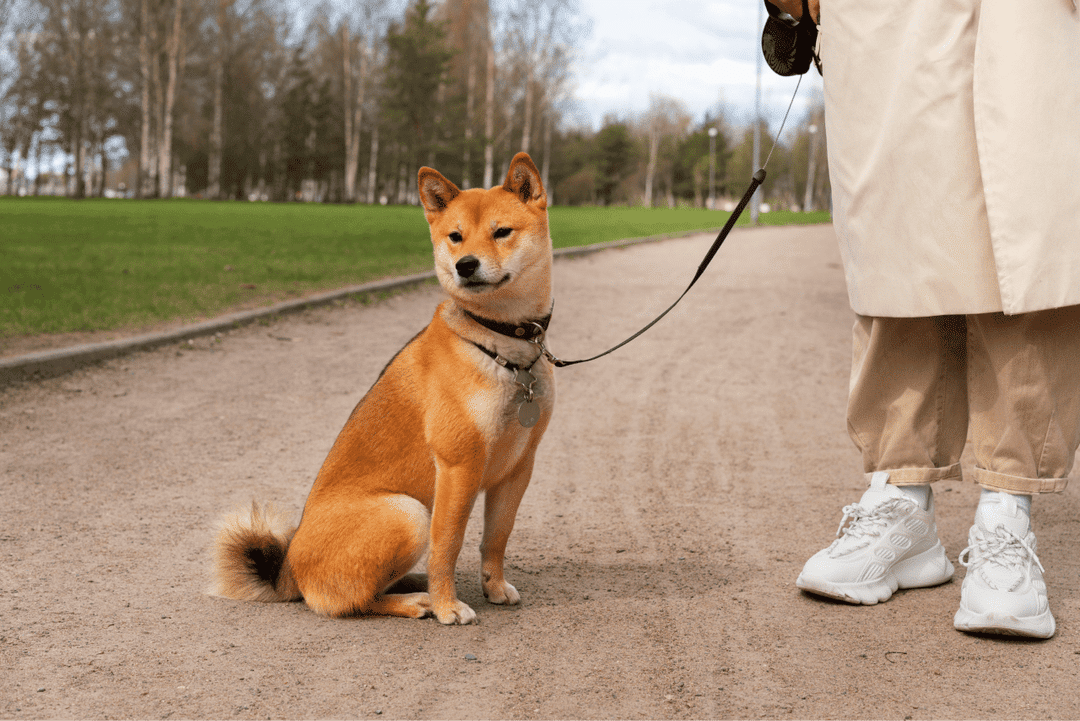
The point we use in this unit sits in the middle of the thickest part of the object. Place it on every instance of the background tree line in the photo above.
(254, 99)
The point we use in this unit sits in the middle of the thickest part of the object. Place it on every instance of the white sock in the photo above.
(1023, 502)
(920, 494)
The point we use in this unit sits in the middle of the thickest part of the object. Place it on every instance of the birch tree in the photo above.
(217, 141)
(816, 130)
(145, 179)
(354, 107)
(666, 120)
(468, 35)
(540, 31)
(489, 118)
(10, 10)
(358, 45)
(374, 115)
(71, 45)
(165, 184)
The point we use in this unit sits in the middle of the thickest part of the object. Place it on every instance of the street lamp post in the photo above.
(755, 202)
(712, 168)
(811, 167)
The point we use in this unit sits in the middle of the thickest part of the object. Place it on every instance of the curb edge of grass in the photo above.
(51, 363)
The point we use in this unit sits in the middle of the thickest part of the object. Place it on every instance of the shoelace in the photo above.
(869, 521)
(1001, 547)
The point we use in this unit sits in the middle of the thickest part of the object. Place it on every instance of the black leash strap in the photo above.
(759, 178)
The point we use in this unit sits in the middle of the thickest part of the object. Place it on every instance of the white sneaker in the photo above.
(1003, 589)
(890, 543)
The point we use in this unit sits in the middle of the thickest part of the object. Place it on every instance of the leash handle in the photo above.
(758, 179)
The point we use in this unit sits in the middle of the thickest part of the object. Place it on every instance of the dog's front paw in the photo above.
(501, 592)
(456, 613)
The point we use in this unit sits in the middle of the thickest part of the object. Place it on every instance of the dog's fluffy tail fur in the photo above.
(249, 556)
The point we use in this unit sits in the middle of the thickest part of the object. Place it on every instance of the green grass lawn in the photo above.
(104, 264)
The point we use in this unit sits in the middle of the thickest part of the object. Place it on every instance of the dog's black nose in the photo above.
(467, 266)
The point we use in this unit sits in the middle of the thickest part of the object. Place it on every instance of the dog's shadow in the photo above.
(563, 579)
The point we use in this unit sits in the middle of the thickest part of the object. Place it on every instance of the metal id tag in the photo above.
(528, 414)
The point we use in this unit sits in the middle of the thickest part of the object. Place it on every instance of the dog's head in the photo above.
(492, 247)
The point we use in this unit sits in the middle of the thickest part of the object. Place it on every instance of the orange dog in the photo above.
(459, 410)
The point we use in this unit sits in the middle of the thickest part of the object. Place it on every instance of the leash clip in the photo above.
(538, 341)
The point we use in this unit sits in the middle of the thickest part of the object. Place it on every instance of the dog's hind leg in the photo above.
(355, 548)
(409, 583)
(406, 596)
(410, 605)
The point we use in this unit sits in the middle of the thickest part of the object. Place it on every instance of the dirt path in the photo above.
(683, 482)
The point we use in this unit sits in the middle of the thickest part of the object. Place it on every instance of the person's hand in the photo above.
(794, 8)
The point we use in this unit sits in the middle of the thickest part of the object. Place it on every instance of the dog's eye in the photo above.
(455, 237)
(503, 232)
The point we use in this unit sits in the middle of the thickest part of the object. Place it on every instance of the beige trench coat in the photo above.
(954, 153)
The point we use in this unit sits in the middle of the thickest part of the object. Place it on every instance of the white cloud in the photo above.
(702, 53)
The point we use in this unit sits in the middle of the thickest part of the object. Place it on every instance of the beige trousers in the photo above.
(920, 385)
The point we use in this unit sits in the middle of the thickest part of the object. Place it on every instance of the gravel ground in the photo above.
(682, 484)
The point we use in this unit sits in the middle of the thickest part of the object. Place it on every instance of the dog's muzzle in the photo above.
(466, 266)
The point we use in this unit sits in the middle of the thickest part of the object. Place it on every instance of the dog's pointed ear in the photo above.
(523, 180)
(436, 192)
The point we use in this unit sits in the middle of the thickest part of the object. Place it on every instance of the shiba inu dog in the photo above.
(460, 410)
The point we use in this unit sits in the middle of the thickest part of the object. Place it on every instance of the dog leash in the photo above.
(539, 331)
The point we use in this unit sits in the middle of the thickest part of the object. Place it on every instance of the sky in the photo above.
(701, 53)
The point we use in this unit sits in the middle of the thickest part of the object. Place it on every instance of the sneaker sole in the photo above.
(1041, 626)
(929, 568)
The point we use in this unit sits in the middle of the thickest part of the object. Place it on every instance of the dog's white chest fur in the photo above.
(494, 410)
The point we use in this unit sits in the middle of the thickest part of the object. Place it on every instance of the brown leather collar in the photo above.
(529, 330)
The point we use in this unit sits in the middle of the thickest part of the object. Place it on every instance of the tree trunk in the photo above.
(650, 171)
(70, 171)
(546, 167)
(80, 154)
(104, 177)
(217, 140)
(436, 128)
(353, 119)
(526, 129)
(470, 102)
(309, 173)
(403, 188)
(37, 165)
(372, 187)
(347, 101)
(811, 163)
(280, 183)
(82, 92)
(144, 71)
(13, 175)
(260, 187)
(489, 120)
(165, 147)
(508, 136)
(158, 104)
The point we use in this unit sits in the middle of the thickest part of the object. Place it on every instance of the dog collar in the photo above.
(530, 330)
(514, 367)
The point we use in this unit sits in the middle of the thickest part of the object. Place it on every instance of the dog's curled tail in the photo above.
(249, 556)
